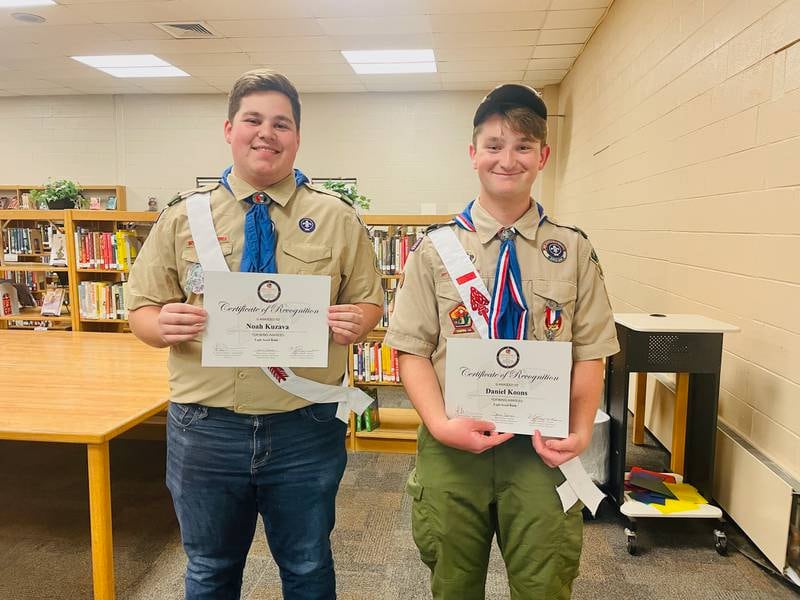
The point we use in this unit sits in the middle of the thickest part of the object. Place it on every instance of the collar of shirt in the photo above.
(487, 226)
(280, 192)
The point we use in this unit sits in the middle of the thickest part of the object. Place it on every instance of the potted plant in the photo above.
(348, 190)
(58, 194)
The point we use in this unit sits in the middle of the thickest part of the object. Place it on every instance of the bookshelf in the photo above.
(397, 431)
(89, 239)
(13, 196)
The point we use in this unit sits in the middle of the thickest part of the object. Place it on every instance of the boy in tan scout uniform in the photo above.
(239, 444)
(471, 482)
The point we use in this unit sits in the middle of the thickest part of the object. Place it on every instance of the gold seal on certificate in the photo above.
(520, 386)
(266, 320)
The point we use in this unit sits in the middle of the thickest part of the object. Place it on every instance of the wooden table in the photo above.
(81, 388)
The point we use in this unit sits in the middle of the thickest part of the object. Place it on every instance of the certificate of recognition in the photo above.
(266, 320)
(518, 385)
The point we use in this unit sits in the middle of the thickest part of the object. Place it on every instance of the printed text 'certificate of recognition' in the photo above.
(266, 320)
(518, 385)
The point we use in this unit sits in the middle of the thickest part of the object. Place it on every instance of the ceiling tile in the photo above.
(133, 12)
(281, 44)
(564, 19)
(460, 54)
(557, 51)
(331, 88)
(578, 4)
(400, 86)
(251, 28)
(138, 31)
(237, 59)
(478, 86)
(383, 42)
(476, 66)
(482, 6)
(55, 15)
(564, 36)
(243, 9)
(484, 76)
(376, 25)
(294, 70)
(545, 74)
(549, 63)
(365, 8)
(517, 21)
(296, 58)
(491, 39)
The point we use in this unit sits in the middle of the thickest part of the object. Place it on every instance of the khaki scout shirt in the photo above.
(428, 308)
(338, 246)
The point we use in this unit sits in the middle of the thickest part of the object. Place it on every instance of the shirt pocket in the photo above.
(552, 309)
(454, 318)
(307, 259)
(191, 271)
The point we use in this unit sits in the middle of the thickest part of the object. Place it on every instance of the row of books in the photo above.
(392, 250)
(375, 362)
(102, 299)
(106, 250)
(23, 240)
(35, 281)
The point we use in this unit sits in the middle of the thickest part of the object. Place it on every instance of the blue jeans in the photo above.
(224, 468)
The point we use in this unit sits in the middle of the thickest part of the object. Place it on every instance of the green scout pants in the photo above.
(462, 500)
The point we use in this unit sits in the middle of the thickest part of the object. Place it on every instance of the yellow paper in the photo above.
(673, 506)
(686, 493)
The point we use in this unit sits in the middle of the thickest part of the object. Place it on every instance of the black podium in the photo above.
(689, 345)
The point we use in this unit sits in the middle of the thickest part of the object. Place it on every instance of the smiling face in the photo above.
(264, 138)
(507, 161)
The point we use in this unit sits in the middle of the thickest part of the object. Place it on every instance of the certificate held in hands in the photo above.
(518, 385)
(266, 320)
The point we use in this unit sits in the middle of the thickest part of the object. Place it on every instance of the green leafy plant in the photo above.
(61, 193)
(350, 191)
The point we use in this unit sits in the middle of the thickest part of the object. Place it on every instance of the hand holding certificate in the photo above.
(520, 386)
(266, 319)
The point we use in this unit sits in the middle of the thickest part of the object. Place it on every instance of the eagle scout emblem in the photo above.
(307, 225)
(195, 281)
(479, 303)
(552, 321)
(459, 317)
(554, 251)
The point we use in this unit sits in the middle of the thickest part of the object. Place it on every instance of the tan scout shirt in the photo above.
(167, 268)
(428, 308)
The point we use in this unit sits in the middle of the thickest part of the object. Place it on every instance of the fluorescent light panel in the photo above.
(372, 62)
(25, 3)
(132, 65)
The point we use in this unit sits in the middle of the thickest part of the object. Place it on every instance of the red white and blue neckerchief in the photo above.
(508, 311)
(259, 230)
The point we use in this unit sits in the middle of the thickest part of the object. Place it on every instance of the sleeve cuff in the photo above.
(408, 344)
(594, 351)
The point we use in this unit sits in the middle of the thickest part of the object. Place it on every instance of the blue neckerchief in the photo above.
(259, 230)
(508, 311)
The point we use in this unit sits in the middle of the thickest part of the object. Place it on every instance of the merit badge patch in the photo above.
(552, 320)
(554, 251)
(459, 317)
(307, 225)
(195, 281)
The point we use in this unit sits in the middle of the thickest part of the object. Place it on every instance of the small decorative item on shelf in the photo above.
(152, 204)
(349, 190)
(94, 203)
(58, 194)
(26, 200)
(111, 203)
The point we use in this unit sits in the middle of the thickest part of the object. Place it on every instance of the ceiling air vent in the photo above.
(190, 30)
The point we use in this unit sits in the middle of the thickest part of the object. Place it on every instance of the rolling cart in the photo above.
(691, 347)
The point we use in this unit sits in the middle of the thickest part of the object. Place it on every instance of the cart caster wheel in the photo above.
(721, 542)
(630, 542)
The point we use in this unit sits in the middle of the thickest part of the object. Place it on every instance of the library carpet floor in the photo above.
(44, 539)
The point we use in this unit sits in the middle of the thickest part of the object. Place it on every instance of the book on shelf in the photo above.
(53, 302)
(102, 300)
(375, 362)
(392, 250)
(370, 419)
(9, 300)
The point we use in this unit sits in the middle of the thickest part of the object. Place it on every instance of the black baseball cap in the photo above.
(508, 96)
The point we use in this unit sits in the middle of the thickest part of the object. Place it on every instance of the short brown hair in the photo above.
(263, 80)
(521, 119)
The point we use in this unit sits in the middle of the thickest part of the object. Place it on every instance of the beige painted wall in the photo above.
(679, 156)
(408, 151)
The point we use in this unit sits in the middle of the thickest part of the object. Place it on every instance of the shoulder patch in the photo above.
(198, 190)
(326, 191)
(572, 227)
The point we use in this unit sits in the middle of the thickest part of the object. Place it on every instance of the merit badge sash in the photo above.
(201, 225)
(577, 485)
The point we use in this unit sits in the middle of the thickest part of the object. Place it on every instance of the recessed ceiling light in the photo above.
(28, 18)
(388, 56)
(25, 3)
(132, 65)
(394, 68)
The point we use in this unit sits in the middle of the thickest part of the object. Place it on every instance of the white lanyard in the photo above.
(209, 253)
(577, 484)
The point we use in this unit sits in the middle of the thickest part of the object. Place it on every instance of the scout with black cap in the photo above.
(540, 282)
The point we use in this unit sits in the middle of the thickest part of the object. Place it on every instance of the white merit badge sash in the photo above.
(577, 484)
(201, 225)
